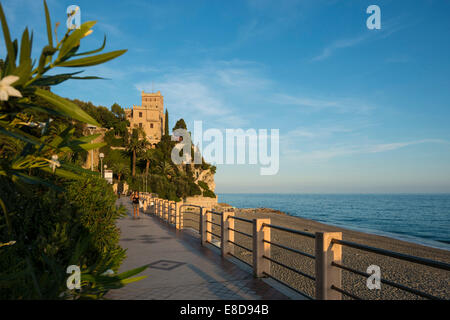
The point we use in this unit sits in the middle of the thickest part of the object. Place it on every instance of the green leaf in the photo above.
(93, 51)
(66, 107)
(23, 72)
(25, 47)
(74, 39)
(89, 138)
(130, 280)
(92, 61)
(88, 78)
(54, 80)
(46, 52)
(18, 134)
(8, 222)
(49, 25)
(82, 146)
(34, 180)
(78, 169)
(61, 173)
(8, 42)
(132, 272)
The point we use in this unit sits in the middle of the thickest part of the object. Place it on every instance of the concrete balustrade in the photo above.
(261, 248)
(179, 218)
(227, 234)
(327, 275)
(205, 227)
(326, 252)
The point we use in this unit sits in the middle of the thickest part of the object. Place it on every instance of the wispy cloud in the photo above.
(340, 44)
(201, 93)
(388, 28)
(310, 104)
(339, 151)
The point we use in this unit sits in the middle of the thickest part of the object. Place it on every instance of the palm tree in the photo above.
(165, 168)
(148, 156)
(138, 142)
(120, 169)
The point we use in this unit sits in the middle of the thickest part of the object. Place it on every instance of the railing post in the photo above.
(170, 212)
(179, 216)
(227, 234)
(157, 207)
(326, 274)
(166, 211)
(160, 208)
(173, 212)
(261, 248)
(208, 216)
(203, 225)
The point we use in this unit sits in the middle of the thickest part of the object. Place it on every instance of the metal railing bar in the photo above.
(213, 234)
(249, 264)
(345, 292)
(305, 234)
(214, 212)
(245, 234)
(213, 223)
(241, 219)
(392, 254)
(190, 205)
(291, 249)
(388, 282)
(196, 213)
(290, 268)
(285, 284)
(240, 246)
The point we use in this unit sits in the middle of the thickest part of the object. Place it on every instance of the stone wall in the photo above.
(201, 201)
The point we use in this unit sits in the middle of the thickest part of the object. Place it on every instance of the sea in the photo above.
(417, 218)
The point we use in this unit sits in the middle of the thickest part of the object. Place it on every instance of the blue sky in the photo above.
(358, 110)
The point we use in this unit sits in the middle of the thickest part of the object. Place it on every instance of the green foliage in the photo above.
(166, 123)
(203, 185)
(16, 121)
(53, 230)
(180, 125)
(53, 213)
(208, 193)
(136, 146)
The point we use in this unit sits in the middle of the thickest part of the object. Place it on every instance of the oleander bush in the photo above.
(53, 213)
(53, 230)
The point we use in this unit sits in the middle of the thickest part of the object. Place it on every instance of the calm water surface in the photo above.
(423, 218)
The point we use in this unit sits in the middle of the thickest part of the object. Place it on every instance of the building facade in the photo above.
(149, 116)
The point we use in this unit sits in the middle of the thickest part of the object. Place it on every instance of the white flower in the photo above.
(6, 90)
(54, 162)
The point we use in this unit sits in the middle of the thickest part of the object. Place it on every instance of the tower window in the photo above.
(140, 125)
(140, 114)
(151, 125)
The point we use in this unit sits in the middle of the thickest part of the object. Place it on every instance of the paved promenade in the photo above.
(179, 267)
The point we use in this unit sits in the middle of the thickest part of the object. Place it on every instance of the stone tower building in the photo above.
(149, 116)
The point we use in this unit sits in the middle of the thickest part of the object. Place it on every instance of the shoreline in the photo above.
(414, 240)
(427, 279)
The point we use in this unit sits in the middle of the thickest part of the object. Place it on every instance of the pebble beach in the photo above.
(426, 279)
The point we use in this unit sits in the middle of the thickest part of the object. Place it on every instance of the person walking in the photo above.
(135, 201)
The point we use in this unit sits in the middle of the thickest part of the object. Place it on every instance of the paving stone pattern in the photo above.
(179, 267)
